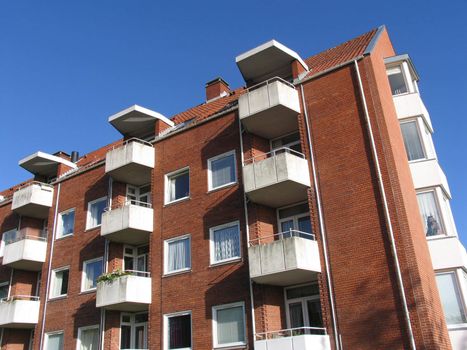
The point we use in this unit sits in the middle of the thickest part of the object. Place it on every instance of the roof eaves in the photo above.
(374, 40)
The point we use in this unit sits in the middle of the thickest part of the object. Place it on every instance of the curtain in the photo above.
(430, 214)
(55, 342)
(89, 339)
(230, 327)
(179, 255)
(226, 243)
(296, 315)
(57, 290)
(223, 171)
(180, 332)
(412, 142)
(68, 222)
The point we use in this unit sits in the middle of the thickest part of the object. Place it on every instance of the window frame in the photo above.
(167, 179)
(286, 145)
(459, 293)
(83, 273)
(53, 281)
(440, 212)
(166, 328)
(2, 240)
(48, 334)
(166, 254)
(303, 301)
(215, 339)
(88, 213)
(80, 329)
(399, 65)
(220, 156)
(7, 284)
(133, 324)
(59, 234)
(420, 138)
(212, 260)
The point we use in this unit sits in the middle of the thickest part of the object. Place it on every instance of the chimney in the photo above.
(216, 88)
(74, 156)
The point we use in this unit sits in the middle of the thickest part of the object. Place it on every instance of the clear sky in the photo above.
(65, 66)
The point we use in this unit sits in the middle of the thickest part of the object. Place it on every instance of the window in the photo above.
(303, 307)
(229, 325)
(430, 213)
(225, 242)
(54, 341)
(7, 238)
(136, 259)
(178, 331)
(222, 170)
(92, 269)
(448, 286)
(177, 254)
(134, 331)
(4, 286)
(397, 80)
(66, 223)
(59, 285)
(139, 195)
(95, 211)
(295, 218)
(88, 338)
(291, 141)
(177, 185)
(412, 140)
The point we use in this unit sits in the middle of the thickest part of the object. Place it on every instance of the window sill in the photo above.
(231, 184)
(89, 291)
(60, 297)
(176, 273)
(460, 326)
(225, 262)
(63, 237)
(229, 347)
(177, 201)
(421, 160)
(437, 237)
(93, 228)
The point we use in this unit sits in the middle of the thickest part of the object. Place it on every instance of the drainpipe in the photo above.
(247, 231)
(52, 241)
(386, 211)
(321, 226)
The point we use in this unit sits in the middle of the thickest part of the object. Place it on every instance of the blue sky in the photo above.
(65, 66)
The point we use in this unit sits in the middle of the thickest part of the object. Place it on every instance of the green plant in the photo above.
(111, 276)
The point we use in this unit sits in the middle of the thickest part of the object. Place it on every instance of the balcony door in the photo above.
(303, 308)
(294, 218)
(138, 195)
(136, 259)
(134, 331)
(291, 141)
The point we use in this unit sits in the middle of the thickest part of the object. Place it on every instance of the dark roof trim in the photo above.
(374, 40)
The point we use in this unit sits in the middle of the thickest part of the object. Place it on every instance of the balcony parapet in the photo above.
(33, 199)
(19, 311)
(26, 250)
(304, 338)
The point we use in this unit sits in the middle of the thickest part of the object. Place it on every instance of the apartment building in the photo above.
(306, 210)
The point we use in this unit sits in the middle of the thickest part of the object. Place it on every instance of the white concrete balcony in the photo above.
(278, 178)
(26, 250)
(128, 293)
(447, 252)
(19, 312)
(131, 223)
(131, 162)
(428, 173)
(33, 200)
(411, 105)
(305, 338)
(284, 259)
(270, 109)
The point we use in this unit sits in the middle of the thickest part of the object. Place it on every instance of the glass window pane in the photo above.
(55, 341)
(397, 81)
(140, 337)
(430, 214)
(300, 292)
(3, 290)
(89, 339)
(291, 211)
(412, 141)
(140, 318)
(314, 313)
(448, 290)
(96, 210)
(304, 224)
(230, 325)
(125, 337)
(296, 315)
(92, 271)
(180, 332)
(226, 243)
(67, 223)
(178, 255)
(64, 284)
(223, 171)
(179, 186)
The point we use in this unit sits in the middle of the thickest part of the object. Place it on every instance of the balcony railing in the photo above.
(129, 292)
(33, 199)
(129, 223)
(19, 311)
(277, 178)
(303, 338)
(270, 109)
(25, 249)
(284, 259)
(131, 162)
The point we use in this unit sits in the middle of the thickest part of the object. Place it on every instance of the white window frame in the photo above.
(213, 262)
(133, 324)
(59, 234)
(83, 274)
(85, 328)
(135, 256)
(214, 325)
(48, 334)
(399, 65)
(167, 179)
(138, 195)
(441, 213)
(459, 290)
(88, 214)
(220, 156)
(166, 254)
(166, 327)
(302, 300)
(294, 218)
(6, 283)
(420, 137)
(287, 145)
(52, 282)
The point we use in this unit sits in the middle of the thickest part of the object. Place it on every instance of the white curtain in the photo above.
(226, 243)
(57, 290)
(230, 326)
(412, 141)
(223, 171)
(430, 214)
(179, 255)
(55, 342)
(89, 339)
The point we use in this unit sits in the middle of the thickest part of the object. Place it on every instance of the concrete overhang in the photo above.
(400, 58)
(44, 164)
(137, 121)
(267, 60)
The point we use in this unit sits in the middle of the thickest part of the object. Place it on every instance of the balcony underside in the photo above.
(132, 173)
(279, 194)
(129, 236)
(33, 210)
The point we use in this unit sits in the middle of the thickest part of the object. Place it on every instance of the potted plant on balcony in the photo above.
(112, 276)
